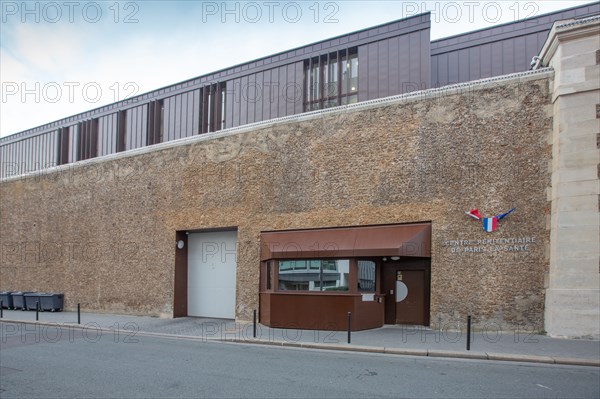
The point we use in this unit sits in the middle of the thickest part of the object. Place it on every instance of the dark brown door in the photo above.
(414, 308)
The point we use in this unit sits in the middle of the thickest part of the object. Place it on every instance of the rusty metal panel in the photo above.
(411, 240)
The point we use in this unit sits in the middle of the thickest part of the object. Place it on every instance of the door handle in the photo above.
(391, 292)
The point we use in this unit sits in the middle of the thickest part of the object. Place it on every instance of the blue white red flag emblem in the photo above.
(489, 224)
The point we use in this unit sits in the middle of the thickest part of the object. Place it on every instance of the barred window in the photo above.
(331, 80)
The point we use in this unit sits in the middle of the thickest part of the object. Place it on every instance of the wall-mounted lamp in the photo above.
(395, 258)
(384, 259)
(180, 244)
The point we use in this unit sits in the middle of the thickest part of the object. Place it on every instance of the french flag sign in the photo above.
(490, 224)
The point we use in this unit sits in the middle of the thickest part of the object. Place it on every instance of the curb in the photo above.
(434, 353)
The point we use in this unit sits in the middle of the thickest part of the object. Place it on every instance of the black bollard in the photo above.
(349, 326)
(1, 309)
(254, 320)
(469, 333)
(78, 314)
(37, 310)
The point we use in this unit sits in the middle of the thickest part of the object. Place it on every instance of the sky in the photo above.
(60, 58)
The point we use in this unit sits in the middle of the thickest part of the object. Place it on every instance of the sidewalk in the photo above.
(402, 340)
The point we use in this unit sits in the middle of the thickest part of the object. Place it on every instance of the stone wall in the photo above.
(573, 294)
(104, 231)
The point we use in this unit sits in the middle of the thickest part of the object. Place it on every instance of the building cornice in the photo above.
(568, 30)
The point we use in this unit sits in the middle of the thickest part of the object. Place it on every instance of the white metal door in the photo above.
(211, 274)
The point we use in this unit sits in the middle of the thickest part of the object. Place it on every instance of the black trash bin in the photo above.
(18, 299)
(51, 301)
(6, 299)
(31, 299)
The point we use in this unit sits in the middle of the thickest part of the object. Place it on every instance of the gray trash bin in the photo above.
(51, 301)
(31, 299)
(18, 299)
(6, 299)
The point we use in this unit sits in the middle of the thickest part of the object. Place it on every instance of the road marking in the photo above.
(543, 386)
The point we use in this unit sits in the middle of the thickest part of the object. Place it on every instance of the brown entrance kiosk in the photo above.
(311, 279)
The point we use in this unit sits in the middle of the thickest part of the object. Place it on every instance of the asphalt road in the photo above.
(41, 363)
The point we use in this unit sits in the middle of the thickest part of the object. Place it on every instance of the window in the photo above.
(156, 114)
(331, 80)
(87, 143)
(269, 275)
(366, 276)
(62, 156)
(212, 107)
(314, 275)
